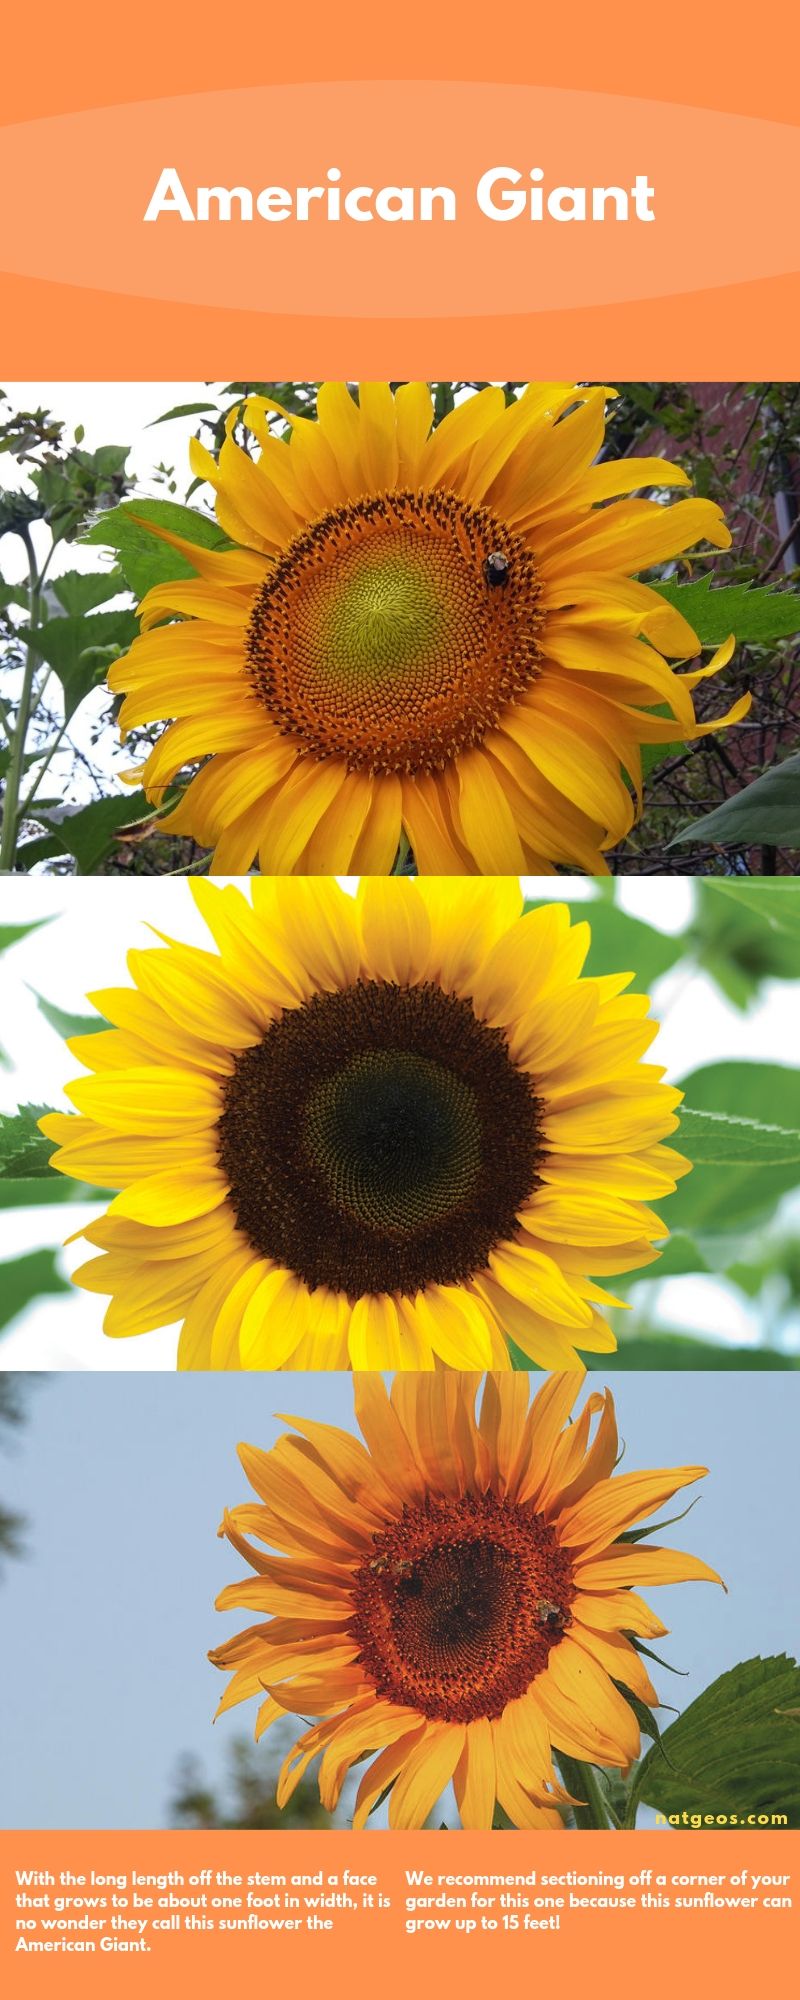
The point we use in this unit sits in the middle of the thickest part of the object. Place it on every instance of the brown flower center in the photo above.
(379, 1139)
(394, 631)
(460, 1604)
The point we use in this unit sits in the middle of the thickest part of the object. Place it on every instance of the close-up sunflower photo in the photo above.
(456, 1599)
(423, 635)
(445, 628)
(444, 1601)
(413, 1123)
(382, 1131)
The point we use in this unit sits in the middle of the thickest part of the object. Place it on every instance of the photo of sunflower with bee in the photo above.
(437, 1600)
(449, 628)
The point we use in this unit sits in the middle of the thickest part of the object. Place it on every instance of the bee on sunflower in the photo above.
(430, 636)
(456, 1599)
(390, 1130)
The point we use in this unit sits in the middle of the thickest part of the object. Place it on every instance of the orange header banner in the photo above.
(369, 226)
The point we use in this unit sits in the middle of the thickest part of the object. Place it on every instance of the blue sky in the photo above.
(109, 1618)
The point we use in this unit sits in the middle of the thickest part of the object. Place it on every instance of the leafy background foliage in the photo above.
(726, 804)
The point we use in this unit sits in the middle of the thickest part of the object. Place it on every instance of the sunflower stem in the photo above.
(584, 1784)
(16, 761)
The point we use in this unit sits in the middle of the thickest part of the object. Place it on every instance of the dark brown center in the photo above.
(379, 1140)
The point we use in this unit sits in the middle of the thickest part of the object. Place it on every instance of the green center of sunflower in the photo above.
(379, 1140)
(394, 631)
(459, 1605)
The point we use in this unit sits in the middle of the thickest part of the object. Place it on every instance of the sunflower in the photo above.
(388, 1130)
(458, 1597)
(422, 635)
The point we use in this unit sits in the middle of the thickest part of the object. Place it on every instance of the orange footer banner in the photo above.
(100, 1912)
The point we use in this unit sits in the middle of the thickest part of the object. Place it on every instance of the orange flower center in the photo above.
(394, 631)
(459, 1605)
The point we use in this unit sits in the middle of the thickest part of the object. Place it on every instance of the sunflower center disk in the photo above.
(380, 638)
(379, 1140)
(459, 1606)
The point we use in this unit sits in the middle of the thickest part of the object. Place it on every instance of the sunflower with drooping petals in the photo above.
(422, 633)
(453, 1598)
(385, 1131)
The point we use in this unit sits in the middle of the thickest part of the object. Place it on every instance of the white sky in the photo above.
(85, 948)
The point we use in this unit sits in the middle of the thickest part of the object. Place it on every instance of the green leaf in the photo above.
(182, 410)
(24, 1150)
(654, 754)
(639, 1647)
(40, 1193)
(767, 811)
(27, 1278)
(67, 1025)
(89, 834)
(13, 593)
(733, 1752)
(648, 1725)
(655, 1352)
(723, 1194)
(78, 594)
(680, 1254)
(67, 645)
(45, 848)
(735, 938)
(11, 933)
(624, 944)
(756, 616)
(776, 901)
(714, 1138)
(658, 1527)
(143, 559)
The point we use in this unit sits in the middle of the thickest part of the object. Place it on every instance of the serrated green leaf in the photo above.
(767, 811)
(89, 834)
(67, 644)
(13, 593)
(733, 1752)
(25, 1279)
(715, 1138)
(24, 1150)
(143, 559)
(722, 1195)
(44, 848)
(756, 616)
(78, 593)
